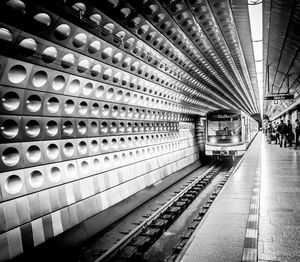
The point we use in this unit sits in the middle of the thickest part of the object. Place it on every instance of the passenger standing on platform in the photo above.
(289, 133)
(275, 132)
(265, 128)
(269, 132)
(282, 133)
(297, 133)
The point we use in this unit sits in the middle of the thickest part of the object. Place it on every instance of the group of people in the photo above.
(283, 133)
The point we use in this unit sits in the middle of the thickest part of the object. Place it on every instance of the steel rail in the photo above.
(231, 172)
(128, 237)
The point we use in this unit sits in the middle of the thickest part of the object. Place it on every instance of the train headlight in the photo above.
(235, 139)
(213, 140)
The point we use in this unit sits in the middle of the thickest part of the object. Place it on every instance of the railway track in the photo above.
(133, 246)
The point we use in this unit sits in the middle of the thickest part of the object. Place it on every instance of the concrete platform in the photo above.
(256, 217)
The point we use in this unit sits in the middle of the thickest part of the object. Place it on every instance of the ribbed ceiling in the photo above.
(199, 51)
(281, 52)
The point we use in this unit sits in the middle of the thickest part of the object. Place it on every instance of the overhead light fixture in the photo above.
(255, 8)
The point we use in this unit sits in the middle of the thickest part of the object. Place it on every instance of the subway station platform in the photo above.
(256, 217)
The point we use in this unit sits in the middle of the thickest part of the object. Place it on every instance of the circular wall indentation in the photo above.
(110, 93)
(106, 161)
(117, 77)
(68, 149)
(69, 106)
(43, 19)
(127, 97)
(119, 95)
(11, 101)
(33, 154)
(107, 74)
(79, 40)
(34, 103)
(58, 82)
(36, 179)
(81, 127)
(130, 112)
(5, 35)
(71, 171)
(96, 18)
(9, 129)
(10, 156)
(115, 111)
(116, 160)
(27, 47)
(121, 127)
(52, 151)
(124, 157)
(79, 7)
(126, 62)
(53, 105)
(62, 31)
(105, 110)
(94, 47)
(17, 74)
(95, 109)
(17, 5)
(84, 166)
(94, 127)
(32, 128)
(129, 127)
(51, 128)
(68, 60)
(49, 54)
(68, 128)
(106, 53)
(13, 184)
(123, 111)
(104, 144)
(55, 174)
(40, 78)
(134, 99)
(131, 156)
(82, 148)
(94, 146)
(99, 91)
(113, 127)
(117, 58)
(95, 70)
(114, 143)
(83, 108)
(83, 66)
(129, 142)
(87, 89)
(104, 127)
(96, 165)
(74, 86)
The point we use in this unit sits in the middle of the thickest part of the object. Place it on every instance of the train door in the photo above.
(244, 127)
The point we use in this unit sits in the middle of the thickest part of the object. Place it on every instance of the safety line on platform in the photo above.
(250, 251)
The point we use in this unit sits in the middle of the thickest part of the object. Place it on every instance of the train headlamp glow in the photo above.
(235, 139)
(213, 140)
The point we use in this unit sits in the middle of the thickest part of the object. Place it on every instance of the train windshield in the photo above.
(224, 128)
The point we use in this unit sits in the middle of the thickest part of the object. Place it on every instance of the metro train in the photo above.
(229, 133)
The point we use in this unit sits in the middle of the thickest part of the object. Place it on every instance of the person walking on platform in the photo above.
(297, 133)
(282, 129)
(289, 133)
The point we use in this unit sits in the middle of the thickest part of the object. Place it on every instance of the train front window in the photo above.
(224, 128)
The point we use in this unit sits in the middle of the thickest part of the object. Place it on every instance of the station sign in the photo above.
(223, 117)
(279, 97)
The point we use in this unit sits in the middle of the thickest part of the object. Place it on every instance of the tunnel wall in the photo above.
(85, 124)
